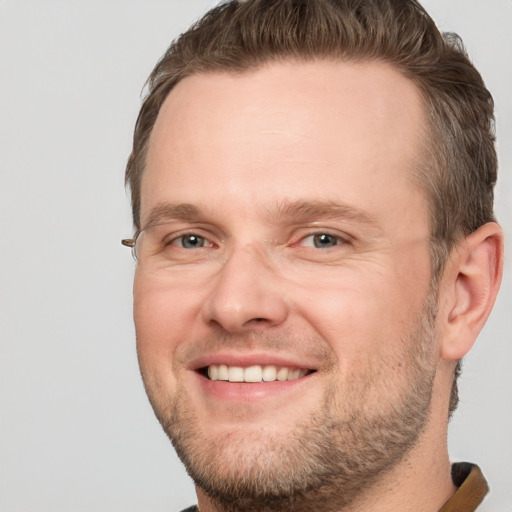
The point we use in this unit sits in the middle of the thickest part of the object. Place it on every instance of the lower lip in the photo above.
(249, 392)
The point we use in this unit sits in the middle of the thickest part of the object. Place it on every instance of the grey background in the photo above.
(76, 431)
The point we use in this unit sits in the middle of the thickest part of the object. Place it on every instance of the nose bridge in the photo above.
(246, 291)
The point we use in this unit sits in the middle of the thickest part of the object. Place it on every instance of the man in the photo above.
(312, 188)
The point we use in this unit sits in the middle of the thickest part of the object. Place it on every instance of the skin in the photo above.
(248, 152)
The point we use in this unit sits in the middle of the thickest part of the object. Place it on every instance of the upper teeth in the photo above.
(255, 373)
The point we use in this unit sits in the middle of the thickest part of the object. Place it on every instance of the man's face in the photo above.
(287, 240)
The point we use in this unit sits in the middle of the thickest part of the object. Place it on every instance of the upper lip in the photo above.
(251, 359)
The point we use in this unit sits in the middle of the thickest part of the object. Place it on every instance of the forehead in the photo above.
(294, 130)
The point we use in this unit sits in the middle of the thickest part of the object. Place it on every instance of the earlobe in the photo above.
(473, 279)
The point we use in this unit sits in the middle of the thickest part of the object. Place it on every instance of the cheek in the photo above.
(164, 317)
(346, 317)
(362, 312)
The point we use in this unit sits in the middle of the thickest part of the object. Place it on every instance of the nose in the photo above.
(246, 294)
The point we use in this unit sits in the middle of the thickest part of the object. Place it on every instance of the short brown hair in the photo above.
(459, 166)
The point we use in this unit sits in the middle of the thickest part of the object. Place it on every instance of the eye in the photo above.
(191, 241)
(321, 241)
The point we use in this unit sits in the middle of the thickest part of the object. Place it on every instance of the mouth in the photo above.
(253, 374)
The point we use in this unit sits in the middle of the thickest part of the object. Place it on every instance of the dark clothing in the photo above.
(471, 491)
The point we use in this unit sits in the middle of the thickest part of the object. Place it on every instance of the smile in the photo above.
(254, 373)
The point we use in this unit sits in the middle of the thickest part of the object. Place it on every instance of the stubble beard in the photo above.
(329, 457)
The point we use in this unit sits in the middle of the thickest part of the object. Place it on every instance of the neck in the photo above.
(421, 480)
(427, 487)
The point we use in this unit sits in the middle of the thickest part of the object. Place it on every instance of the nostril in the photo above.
(256, 321)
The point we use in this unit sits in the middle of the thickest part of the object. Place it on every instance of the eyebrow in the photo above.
(283, 211)
(165, 212)
(305, 210)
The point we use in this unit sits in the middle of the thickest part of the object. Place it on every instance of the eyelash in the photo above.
(337, 239)
(174, 240)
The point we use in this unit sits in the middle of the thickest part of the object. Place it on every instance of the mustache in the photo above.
(315, 349)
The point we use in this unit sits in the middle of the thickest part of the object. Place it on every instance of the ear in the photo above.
(468, 289)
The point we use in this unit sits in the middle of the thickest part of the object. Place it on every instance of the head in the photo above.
(451, 171)
(459, 166)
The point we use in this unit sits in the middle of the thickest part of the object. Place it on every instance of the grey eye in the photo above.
(324, 241)
(191, 241)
